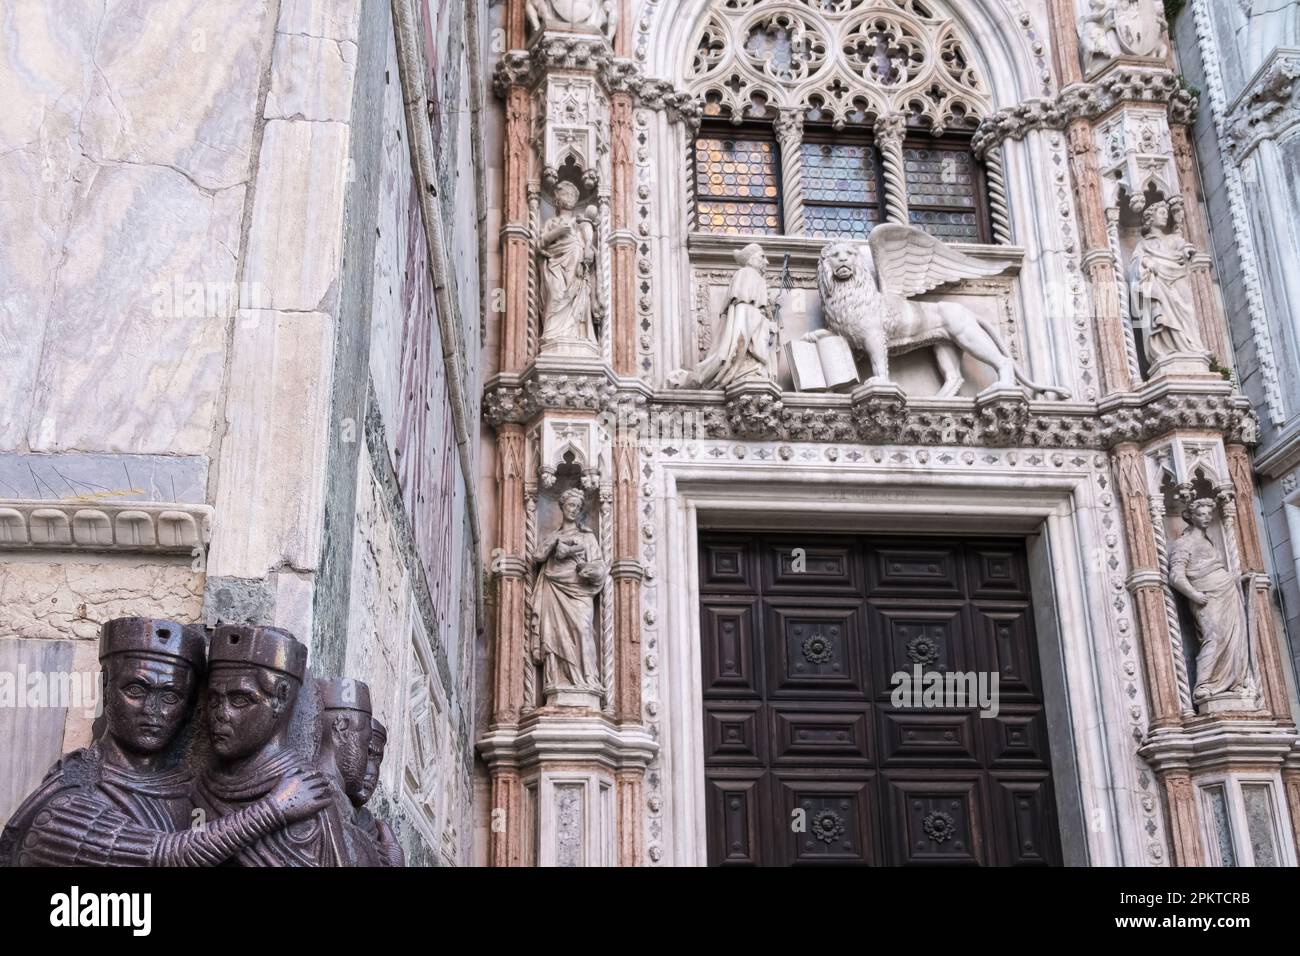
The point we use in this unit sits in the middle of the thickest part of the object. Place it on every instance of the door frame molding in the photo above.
(1102, 805)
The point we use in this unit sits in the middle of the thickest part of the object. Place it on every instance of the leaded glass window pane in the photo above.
(943, 192)
(841, 189)
(1222, 828)
(1259, 821)
(736, 185)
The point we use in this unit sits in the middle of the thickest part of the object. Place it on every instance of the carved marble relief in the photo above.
(867, 295)
(840, 62)
(1110, 29)
(745, 346)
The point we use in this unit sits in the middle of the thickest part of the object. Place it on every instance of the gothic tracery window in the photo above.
(835, 73)
(736, 183)
(841, 181)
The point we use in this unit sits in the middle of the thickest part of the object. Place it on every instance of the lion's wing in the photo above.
(910, 261)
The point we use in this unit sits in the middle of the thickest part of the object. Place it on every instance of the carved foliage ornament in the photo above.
(840, 60)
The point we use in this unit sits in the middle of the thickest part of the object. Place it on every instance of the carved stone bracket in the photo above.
(879, 411)
(1269, 106)
(1088, 101)
(753, 409)
(1003, 416)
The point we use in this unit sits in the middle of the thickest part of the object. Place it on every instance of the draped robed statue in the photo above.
(743, 350)
(568, 270)
(1198, 572)
(571, 572)
(1161, 288)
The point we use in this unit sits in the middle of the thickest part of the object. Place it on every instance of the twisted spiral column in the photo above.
(1157, 505)
(530, 545)
(999, 211)
(789, 136)
(890, 130)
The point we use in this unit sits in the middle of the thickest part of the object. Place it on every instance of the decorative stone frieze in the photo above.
(532, 66)
(1087, 101)
(513, 398)
(1004, 417)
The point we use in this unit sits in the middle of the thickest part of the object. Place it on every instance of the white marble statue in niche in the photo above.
(571, 572)
(1198, 572)
(1160, 284)
(744, 349)
(568, 268)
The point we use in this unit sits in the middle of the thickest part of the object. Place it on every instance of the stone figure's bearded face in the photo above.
(246, 706)
(841, 260)
(146, 700)
(374, 760)
(350, 733)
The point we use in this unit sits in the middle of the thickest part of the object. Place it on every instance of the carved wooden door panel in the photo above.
(807, 760)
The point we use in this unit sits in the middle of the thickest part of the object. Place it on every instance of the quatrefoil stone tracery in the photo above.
(842, 60)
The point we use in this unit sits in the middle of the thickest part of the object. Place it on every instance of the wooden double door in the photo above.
(807, 758)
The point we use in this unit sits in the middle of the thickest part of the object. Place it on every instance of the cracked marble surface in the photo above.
(139, 118)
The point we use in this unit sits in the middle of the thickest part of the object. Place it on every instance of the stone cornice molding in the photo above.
(1282, 454)
(995, 418)
(1219, 744)
(124, 526)
(1005, 419)
(717, 251)
(1269, 105)
(1120, 85)
(557, 735)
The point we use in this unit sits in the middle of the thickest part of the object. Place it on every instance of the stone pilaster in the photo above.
(1147, 587)
(1209, 304)
(623, 251)
(630, 792)
(516, 235)
(508, 826)
(1182, 817)
(1098, 261)
(1249, 540)
(627, 582)
(508, 689)
(1065, 41)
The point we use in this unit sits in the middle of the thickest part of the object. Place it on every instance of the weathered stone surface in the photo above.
(295, 237)
(272, 462)
(55, 599)
(311, 78)
(333, 19)
(104, 477)
(123, 172)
